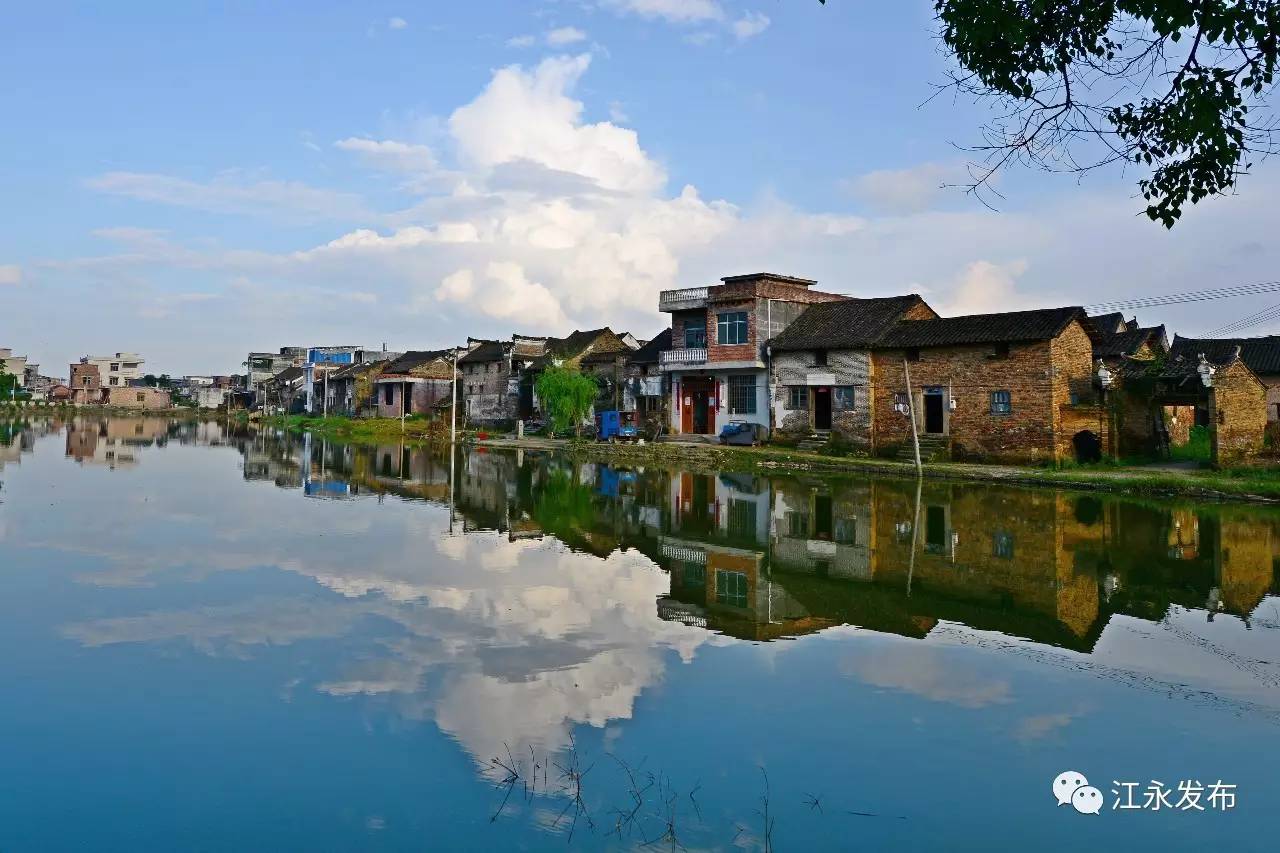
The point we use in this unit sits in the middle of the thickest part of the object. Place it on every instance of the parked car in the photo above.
(741, 432)
(614, 426)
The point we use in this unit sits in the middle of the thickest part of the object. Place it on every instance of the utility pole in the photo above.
(911, 409)
(453, 409)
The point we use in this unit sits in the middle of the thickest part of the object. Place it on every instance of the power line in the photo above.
(1191, 296)
(1263, 316)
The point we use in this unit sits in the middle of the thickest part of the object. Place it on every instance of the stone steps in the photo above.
(932, 448)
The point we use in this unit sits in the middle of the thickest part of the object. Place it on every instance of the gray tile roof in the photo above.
(847, 324)
(1010, 327)
(1261, 355)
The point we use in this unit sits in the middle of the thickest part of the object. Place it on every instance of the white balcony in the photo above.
(682, 300)
(685, 355)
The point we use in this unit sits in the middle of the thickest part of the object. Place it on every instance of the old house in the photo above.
(716, 362)
(263, 366)
(86, 384)
(138, 397)
(1115, 339)
(492, 379)
(283, 393)
(1260, 355)
(820, 366)
(415, 383)
(600, 353)
(985, 386)
(644, 390)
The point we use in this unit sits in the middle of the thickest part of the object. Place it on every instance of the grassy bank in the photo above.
(1251, 484)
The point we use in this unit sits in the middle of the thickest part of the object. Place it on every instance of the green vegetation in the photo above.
(1177, 88)
(567, 396)
(1199, 448)
(415, 427)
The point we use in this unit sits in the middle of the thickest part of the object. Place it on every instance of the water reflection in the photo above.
(541, 599)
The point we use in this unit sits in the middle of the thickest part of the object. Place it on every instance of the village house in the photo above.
(599, 353)
(415, 383)
(492, 378)
(1116, 339)
(1260, 355)
(14, 365)
(351, 389)
(118, 370)
(645, 391)
(820, 366)
(282, 393)
(987, 386)
(86, 384)
(716, 363)
(138, 397)
(263, 366)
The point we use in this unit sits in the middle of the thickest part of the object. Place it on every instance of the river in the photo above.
(221, 639)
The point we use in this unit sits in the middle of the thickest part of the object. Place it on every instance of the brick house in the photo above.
(415, 383)
(1116, 339)
(985, 386)
(492, 378)
(86, 384)
(138, 397)
(601, 353)
(1260, 355)
(716, 363)
(820, 365)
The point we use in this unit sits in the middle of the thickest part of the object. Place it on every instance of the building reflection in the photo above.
(767, 558)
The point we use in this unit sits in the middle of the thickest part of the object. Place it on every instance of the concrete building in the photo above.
(118, 370)
(717, 358)
(14, 365)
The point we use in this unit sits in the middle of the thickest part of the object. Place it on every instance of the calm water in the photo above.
(224, 641)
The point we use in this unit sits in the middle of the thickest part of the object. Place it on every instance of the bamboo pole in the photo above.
(911, 408)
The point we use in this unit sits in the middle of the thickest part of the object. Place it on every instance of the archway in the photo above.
(1088, 446)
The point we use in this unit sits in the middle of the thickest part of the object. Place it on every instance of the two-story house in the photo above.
(717, 360)
(491, 378)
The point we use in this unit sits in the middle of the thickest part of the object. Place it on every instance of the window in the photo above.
(798, 398)
(797, 524)
(115, 380)
(731, 588)
(694, 575)
(142, 398)
(742, 395)
(1001, 350)
(388, 394)
(1002, 544)
(731, 327)
(820, 358)
(912, 354)
(115, 368)
(846, 532)
(695, 333)
(901, 403)
(1001, 403)
(842, 398)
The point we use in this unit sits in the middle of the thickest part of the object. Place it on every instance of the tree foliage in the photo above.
(567, 396)
(1176, 88)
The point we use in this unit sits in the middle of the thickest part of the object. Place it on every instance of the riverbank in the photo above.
(66, 411)
(1258, 485)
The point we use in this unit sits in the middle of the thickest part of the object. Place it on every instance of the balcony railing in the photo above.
(681, 300)
(686, 355)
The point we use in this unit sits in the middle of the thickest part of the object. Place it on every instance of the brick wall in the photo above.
(1237, 410)
(1038, 376)
(138, 398)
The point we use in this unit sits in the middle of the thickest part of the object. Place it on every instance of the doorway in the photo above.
(822, 408)
(696, 399)
(933, 408)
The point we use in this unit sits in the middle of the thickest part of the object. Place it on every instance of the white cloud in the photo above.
(10, 274)
(521, 41)
(986, 287)
(396, 23)
(390, 155)
(908, 190)
(562, 36)
(749, 25)
(229, 192)
(674, 11)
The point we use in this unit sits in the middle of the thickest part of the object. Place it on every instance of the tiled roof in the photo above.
(1010, 327)
(1261, 355)
(847, 324)
(289, 374)
(1105, 324)
(415, 358)
(486, 351)
(649, 353)
(1128, 342)
(578, 341)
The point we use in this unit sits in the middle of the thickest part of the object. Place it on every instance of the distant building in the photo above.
(86, 384)
(116, 371)
(138, 398)
(14, 365)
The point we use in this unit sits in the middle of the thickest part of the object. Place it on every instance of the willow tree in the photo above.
(1174, 88)
(567, 396)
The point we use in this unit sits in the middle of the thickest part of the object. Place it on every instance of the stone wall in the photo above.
(486, 388)
(846, 367)
(1237, 411)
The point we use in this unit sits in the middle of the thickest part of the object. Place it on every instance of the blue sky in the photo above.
(193, 182)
